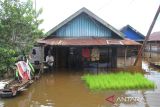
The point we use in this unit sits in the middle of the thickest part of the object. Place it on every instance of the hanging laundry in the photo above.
(95, 54)
(86, 53)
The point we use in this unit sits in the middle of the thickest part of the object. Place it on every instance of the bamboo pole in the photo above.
(147, 36)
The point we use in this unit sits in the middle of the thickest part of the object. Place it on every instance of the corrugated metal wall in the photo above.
(83, 26)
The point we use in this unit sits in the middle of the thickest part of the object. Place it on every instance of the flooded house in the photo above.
(132, 34)
(153, 43)
(84, 40)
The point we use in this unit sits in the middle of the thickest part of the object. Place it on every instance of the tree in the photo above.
(7, 59)
(19, 23)
(18, 29)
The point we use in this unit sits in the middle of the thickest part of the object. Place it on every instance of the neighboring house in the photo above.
(153, 43)
(85, 40)
(132, 33)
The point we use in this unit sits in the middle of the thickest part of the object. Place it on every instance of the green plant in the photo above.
(7, 59)
(19, 30)
(121, 80)
(19, 24)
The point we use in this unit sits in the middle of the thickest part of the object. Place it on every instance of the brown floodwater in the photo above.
(66, 89)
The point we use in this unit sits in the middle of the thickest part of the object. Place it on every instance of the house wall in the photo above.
(153, 46)
(83, 26)
(36, 56)
(131, 54)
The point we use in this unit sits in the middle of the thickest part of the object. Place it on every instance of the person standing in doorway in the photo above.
(50, 61)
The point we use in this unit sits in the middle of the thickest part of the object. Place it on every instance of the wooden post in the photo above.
(125, 56)
(42, 59)
(150, 47)
(144, 55)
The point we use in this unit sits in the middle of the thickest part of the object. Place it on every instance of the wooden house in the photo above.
(85, 40)
(153, 43)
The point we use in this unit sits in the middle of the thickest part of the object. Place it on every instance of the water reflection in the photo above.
(1, 103)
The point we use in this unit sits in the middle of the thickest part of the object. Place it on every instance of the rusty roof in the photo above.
(154, 36)
(86, 41)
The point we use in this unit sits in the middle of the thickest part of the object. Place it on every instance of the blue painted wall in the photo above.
(83, 26)
(131, 34)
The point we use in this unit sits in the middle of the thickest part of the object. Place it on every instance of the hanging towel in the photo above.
(95, 54)
(86, 53)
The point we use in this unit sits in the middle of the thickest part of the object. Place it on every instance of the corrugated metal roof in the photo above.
(86, 42)
(134, 30)
(154, 36)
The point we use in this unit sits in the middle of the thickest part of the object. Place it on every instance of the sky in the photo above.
(118, 13)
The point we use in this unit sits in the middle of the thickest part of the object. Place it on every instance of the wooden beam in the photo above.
(125, 54)
(42, 59)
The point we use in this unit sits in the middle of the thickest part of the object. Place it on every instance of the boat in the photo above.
(155, 64)
(5, 93)
(24, 75)
(14, 88)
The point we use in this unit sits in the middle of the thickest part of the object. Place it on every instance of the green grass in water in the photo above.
(121, 80)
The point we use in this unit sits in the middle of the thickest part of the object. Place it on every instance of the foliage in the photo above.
(19, 23)
(7, 59)
(117, 81)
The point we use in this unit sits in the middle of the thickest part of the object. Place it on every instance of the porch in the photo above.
(113, 54)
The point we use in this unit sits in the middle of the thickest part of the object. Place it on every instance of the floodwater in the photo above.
(66, 89)
(154, 57)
